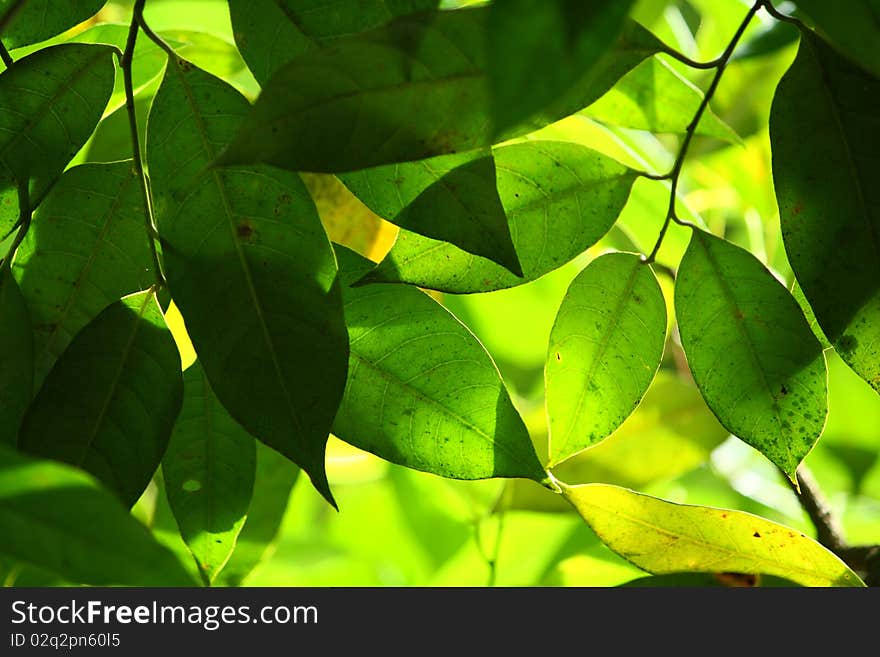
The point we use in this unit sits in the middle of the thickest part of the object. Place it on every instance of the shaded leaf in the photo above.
(86, 248)
(109, 404)
(38, 20)
(750, 349)
(662, 537)
(274, 480)
(57, 518)
(50, 102)
(654, 97)
(352, 105)
(209, 475)
(251, 270)
(605, 348)
(560, 198)
(422, 391)
(538, 49)
(711, 580)
(298, 26)
(852, 31)
(16, 358)
(829, 203)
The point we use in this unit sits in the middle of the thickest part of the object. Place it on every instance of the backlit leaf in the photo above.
(825, 174)
(38, 20)
(605, 348)
(663, 537)
(251, 270)
(750, 349)
(109, 404)
(16, 358)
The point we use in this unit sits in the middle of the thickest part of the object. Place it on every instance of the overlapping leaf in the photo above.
(560, 198)
(353, 105)
(251, 269)
(852, 30)
(16, 358)
(296, 26)
(825, 134)
(209, 475)
(750, 349)
(55, 517)
(662, 537)
(86, 248)
(109, 404)
(605, 348)
(422, 391)
(50, 102)
(38, 20)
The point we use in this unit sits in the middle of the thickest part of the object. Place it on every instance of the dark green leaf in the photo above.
(251, 269)
(605, 348)
(711, 580)
(209, 475)
(16, 358)
(109, 404)
(825, 173)
(57, 518)
(413, 89)
(538, 49)
(274, 480)
(87, 247)
(38, 20)
(560, 198)
(851, 29)
(299, 25)
(750, 349)
(50, 102)
(422, 391)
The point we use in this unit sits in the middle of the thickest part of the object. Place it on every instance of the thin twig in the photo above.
(155, 38)
(775, 13)
(828, 529)
(24, 223)
(675, 173)
(5, 56)
(126, 66)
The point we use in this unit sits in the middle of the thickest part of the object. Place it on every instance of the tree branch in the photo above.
(828, 529)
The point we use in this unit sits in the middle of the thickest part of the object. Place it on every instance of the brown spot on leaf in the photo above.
(244, 231)
(757, 535)
(558, 356)
(737, 580)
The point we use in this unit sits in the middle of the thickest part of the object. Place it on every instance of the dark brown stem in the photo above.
(828, 530)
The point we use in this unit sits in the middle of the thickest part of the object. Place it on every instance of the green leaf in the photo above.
(342, 108)
(16, 358)
(851, 30)
(538, 49)
(422, 391)
(50, 102)
(829, 205)
(109, 404)
(86, 248)
(605, 349)
(654, 97)
(300, 25)
(662, 537)
(750, 349)
(560, 198)
(57, 518)
(38, 20)
(274, 480)
(209, 475)
(251, 269)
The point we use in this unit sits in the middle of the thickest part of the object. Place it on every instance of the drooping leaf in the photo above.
(274, 480)
(209, 475)
(422, 391)
(538, 49)
(109, 404)
(251, 269)
(55, 517)
(38, 20)
(605, 348)
(750, 349)
(300, 25)
(16, 358)
(87, 247)
(663, 537)
(852, 29)
(560, 198)
(50, 102)
(654, 97)
(825, 174)
(409, 90)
